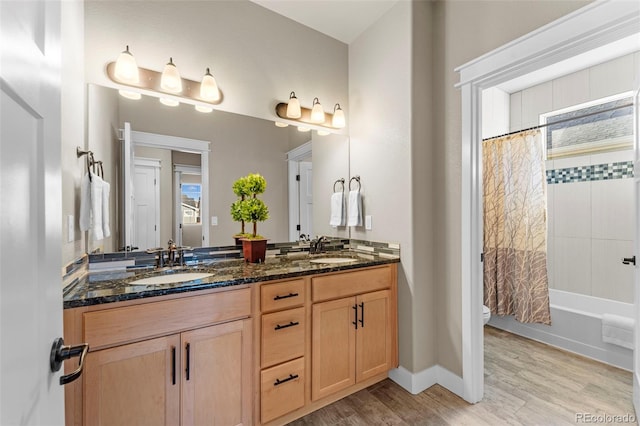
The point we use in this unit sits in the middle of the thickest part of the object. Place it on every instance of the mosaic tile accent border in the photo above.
(132, 260)
(620, 170)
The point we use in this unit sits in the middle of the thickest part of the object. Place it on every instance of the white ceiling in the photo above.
(343, 20)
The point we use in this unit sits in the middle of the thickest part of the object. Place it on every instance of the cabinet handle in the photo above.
(291, 377)
(188, 348)
(355, 316)
(291, 324)
(362, 315)
(173, 364)
(278, 297)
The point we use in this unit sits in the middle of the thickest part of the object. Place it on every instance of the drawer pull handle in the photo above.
(278, 297)
(291, 377)
(361, 315)
(173, 364)
(291, 324)
(187, 370)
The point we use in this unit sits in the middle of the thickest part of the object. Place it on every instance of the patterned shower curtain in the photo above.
(515, 227)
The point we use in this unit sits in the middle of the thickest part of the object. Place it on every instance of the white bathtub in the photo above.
(576, 326)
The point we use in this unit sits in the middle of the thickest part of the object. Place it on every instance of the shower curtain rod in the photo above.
(539, 126)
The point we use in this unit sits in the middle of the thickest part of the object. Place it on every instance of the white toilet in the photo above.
(486, 314)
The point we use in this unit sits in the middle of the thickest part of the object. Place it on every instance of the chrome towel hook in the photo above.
(340, 181)
(357, 179)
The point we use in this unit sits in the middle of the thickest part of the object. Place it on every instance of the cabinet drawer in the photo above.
(282, 389)
(350, 283)
(281, 295)
(282, 336)
(131, 323)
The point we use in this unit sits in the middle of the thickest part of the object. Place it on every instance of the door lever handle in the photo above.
(629, 260)
(60, 352)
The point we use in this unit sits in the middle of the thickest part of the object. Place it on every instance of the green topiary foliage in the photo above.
(240, 187)
(254, 210)
(255, 184)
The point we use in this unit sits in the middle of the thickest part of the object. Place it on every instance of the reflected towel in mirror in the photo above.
(338, 210)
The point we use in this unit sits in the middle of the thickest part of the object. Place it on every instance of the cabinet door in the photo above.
(333, 347)
(216, 375)
(373, 338)
(133, 384)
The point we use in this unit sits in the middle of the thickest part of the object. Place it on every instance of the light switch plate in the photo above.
(71, 229)
(367, 223)
(214, 220)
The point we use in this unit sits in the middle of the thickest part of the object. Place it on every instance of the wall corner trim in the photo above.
(418, 382)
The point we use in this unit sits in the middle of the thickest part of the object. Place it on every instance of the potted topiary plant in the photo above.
(254, 210)
(241, 190)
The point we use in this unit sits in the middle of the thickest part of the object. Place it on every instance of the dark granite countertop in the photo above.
(115, 286)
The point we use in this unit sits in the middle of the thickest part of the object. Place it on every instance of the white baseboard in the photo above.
(418, 382)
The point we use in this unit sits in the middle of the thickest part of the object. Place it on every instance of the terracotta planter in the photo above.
(254, 251)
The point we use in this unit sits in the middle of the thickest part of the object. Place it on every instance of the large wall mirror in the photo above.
(168, 180)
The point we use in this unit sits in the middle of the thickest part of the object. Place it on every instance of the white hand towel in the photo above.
(355, 209)
(338, 211)
(106, 228)
(85, 203)
(96, 207)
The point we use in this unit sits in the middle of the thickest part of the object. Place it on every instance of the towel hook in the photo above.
(357, 179)
(341, 181)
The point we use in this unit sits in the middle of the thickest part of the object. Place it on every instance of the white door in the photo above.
(146, 229)
(636, 187)
(30, 212)
(306, 197)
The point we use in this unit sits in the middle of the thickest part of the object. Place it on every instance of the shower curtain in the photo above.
(515, 227)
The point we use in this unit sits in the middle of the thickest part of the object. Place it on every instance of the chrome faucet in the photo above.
(171, 252)
(317, 245)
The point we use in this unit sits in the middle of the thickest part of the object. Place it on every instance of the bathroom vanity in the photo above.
(248, 344)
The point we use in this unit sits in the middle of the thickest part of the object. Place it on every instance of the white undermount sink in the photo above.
(171, 278)
(332, 260)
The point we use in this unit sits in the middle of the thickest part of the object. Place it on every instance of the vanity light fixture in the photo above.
(209, 88)
(293, 107)
(338, 119)
(323, 133)
(281, 124)
(317, 113)
(314, 116)
(303, 129)
(202, 94)
(171, 80)
(169, 102)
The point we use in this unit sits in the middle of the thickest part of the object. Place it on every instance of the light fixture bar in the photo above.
(305, 117)
(150, 80)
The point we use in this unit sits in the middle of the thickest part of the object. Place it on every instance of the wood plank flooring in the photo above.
(526, 383)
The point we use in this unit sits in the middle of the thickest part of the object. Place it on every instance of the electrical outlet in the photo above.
(214, 220)
(367, 223)
(71, 230)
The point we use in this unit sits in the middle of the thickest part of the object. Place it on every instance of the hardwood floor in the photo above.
(526, 383)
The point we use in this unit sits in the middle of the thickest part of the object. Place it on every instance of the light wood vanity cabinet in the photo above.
(327, 357)
(181, 361)
(353, 337)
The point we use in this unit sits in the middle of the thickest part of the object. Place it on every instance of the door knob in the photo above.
(629, 260)
(60, 352)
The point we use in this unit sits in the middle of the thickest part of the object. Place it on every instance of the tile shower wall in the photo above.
(590, 197)
(590, 226)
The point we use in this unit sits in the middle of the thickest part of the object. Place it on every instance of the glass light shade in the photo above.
(130, 95)
(126, 68)
(209, 88)
(303, 129)
(202, 108)
(317, 113)
(169, 102)
(338, 121)
(281, 124)
(322, 133)
(170, 80)
(293, 108)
